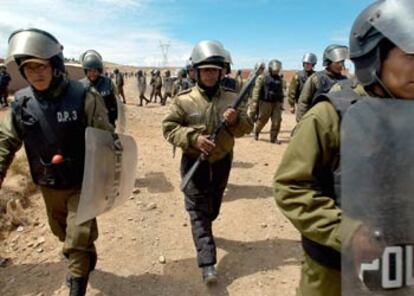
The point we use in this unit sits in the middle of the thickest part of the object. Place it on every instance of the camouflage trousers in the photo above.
(318, 280)
(78, 240)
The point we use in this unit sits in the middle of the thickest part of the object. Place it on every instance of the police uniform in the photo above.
(180, 85)
(229, 82)
(239, 83)
(142, 87)
(106, 88)
(307, 190)
(54, 124)
(168, 89)
(191, 114)
(267, 100)
(4, 84)
(296, 86)
(319, 83)
(119, 81)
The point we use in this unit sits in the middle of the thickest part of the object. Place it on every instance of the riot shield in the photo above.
(377, 198)
(120, 125)
(109, 175)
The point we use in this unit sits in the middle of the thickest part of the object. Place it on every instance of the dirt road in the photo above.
(258, 250)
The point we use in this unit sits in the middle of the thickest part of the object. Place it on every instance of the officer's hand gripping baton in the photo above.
(246, 88)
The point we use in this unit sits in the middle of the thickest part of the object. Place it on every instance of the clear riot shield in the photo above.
(109, 174)
(120, 124)
(377, 196)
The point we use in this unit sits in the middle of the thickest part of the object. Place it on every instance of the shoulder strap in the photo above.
(341, 100)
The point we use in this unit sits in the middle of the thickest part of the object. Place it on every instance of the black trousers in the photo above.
(203, 197)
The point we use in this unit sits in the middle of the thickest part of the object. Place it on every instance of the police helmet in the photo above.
(274, 65)
(27, 45)
(182, 73)
(209, 54)
(91, 59)
(335, 53)
(391, 20)
(310, 58)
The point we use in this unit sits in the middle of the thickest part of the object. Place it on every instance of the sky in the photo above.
(131, 31)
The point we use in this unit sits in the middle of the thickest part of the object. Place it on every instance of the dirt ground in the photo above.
(259, 251)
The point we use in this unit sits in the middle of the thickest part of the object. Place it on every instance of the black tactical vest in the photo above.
(228, 82)
(326, 81)
(331, 182)
(52, 127)
(273, 89)
(104, 88)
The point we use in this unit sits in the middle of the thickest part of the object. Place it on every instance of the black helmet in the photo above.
(91, 59)
(391, 20)
(183, 73)
(335, 53)
(31, 44)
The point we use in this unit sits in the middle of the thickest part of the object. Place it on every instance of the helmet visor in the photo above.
(395, 20)
(32, 43)
(338, 54)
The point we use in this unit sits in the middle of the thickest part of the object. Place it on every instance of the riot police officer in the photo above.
(192, 117)
(298, 81)
(168, 85)
(119, 81)
(309, 193)
(320, 82)
(93, 66)
(49, 117)
(4, 85)
(156, 83)
(228, 81)
(181, 83)
(239, 81)
(267, 100)
(142, 87)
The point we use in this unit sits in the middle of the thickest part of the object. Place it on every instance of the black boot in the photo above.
(77, 285)
(209, 274)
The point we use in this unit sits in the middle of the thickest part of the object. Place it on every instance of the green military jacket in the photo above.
(192, 113)
(95, 115)
(294, 87)
(309, 91)
(306, 96)
(256, 92)
(313, 152)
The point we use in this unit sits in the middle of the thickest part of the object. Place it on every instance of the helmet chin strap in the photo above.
(382, 85)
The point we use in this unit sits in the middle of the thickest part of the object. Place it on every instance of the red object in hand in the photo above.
(57, 159)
